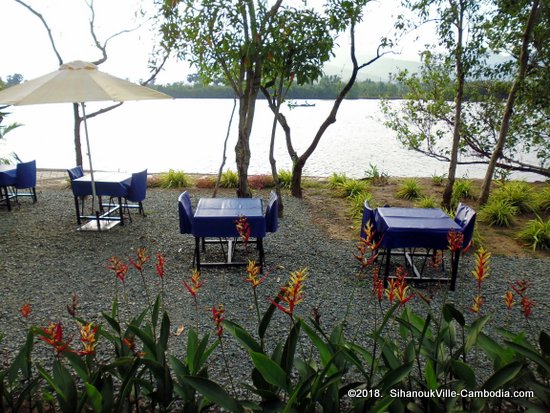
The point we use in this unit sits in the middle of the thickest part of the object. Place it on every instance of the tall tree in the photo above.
(508, 16)
(231, 39)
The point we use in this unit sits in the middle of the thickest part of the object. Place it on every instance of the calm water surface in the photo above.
(188, 135)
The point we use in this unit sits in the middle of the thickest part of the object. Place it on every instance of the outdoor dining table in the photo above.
(111, 184)
(406, 229)
(217, 217)
(8, 176)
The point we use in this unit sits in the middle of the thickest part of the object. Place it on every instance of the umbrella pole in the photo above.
(90, 160)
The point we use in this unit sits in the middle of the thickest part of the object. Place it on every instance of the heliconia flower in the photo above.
(141, 259)
(481, 270)
(253, 270)
(292, 293)
(478, 303)
(243, 228)
(131, 344)
(366, 244)
(26, 310)
(316, 314)
(436, 259)
(520, 287)
(120, 268)
(527, 306)
(88, 338)
(509, 300)
(196, 283)
(402, 292)
(217, 316)
(53, 335)
(159, 266)
(455, 240)
(390, 291)
(377, 285)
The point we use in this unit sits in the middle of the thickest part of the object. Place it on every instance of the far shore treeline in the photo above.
(327, 88)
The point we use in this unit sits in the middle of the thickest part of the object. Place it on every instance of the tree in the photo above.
(14, 79)
(509, 14)
(232, 40)
(156, 65)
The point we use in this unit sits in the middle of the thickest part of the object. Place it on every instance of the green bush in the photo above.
(500, 213)
(516, 193)
(438, 180)
(352, 187)
(174, 179)
(285, 178)
(462, 189)
(426, 202)
(374, 175)
(542, 199)
(536, 234)
(410, 189)
(229, 179)
(357, 202)
(335, 180)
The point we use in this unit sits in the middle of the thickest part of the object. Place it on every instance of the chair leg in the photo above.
(34, 198)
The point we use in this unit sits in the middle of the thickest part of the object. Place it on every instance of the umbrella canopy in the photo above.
(76, 82)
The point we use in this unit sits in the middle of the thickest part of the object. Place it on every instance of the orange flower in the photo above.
(253, 270)
(120, 268)
(26, 310)
(53, 335)
(390, 291)
(455, 240)
(141, 259)
(527, 306)
(217, 316)
(195, 282)
(131, 344)
(292, 293)
(159, 266)
(243, 229)
(436, 259)
(88, 338)
(478, 303)
(377, 285)
(366, 244)
(509, 300)
(481, 270)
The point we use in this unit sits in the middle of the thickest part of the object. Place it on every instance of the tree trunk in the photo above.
(77, 141)
(296, 185)
(509, 108)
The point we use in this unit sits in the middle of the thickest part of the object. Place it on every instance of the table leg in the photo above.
(120, 210)
(454, 268)
(387, 267)
(77, 207)
(197, 255)
(7, 198)
(262, 255)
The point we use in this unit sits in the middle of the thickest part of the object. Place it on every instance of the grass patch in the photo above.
(536, 234)
(352, 187)
(357, 202)
(498, 213)
(285, 178)
(174, 179)
(336, 180)
(516, 193)
(410, 189)
(542, 200)
(229, 179)
(426, 202)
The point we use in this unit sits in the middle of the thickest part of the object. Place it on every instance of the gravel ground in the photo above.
(45, 260)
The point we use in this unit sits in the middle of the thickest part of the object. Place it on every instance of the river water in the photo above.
(188, 135)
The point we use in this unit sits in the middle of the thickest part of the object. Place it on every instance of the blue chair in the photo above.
(26, 179)
(272, 213)
(75, 173)
(7, 180)
(137, 191)
(185, 210)
(466, 218)
(368, 216)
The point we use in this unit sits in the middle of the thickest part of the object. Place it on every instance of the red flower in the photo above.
(120, 269)
(159, 266)
(509, 300)
(368, 244)
(88, 338)
(253, 270)
(141, 259)
(520, 287)
(478, 303)
(26, 310)
(455, 240)
(53, 335)
(527, 306)
(243, 229)
(195, 282)
(217, 316)
(292, 293)
(377, 285)
(481, 270)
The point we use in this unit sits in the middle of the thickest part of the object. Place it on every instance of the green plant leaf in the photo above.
(155, 313)
(531, 355)
(164, 333)
(266, 319)
(287, 360)
(270, 371)
(502, 376)
(451, 313)
(68, 396)
(473, 332)
(430, 375)
(148, 341)
(213, 392)
(544, 342)
(465, 373)
(325, 352)
(394, 376)
(242, 336)
(95, 397)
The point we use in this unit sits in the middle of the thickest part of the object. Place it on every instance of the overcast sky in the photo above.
(26, 48)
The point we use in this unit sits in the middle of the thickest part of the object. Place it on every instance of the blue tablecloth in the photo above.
(414, 227)
(106, 184)
(8, 175)
(215, 217)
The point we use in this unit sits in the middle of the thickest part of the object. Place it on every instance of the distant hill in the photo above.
(377, 71)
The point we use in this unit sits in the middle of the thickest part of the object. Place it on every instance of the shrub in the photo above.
(426, 202)
(410, 189)
(438, 180)
(285, 178)
(536, 234)
(498, 212)
(462, 188)
(206, 182)
(174, 179)
(374, 175)
(357, 202)
(335, 180)
(516, 193)
(351, 187)
(229, 179)
(542, 199)
(261, 181)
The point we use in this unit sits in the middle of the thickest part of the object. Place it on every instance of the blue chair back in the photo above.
(138, 189)
(75, 172)
(272, 213)
(466, 218)
(368, 216)
(185, 210)
(26, 175)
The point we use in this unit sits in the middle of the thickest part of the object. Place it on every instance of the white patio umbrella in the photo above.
(77, 82)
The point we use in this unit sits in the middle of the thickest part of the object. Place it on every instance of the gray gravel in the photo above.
(45, 260)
